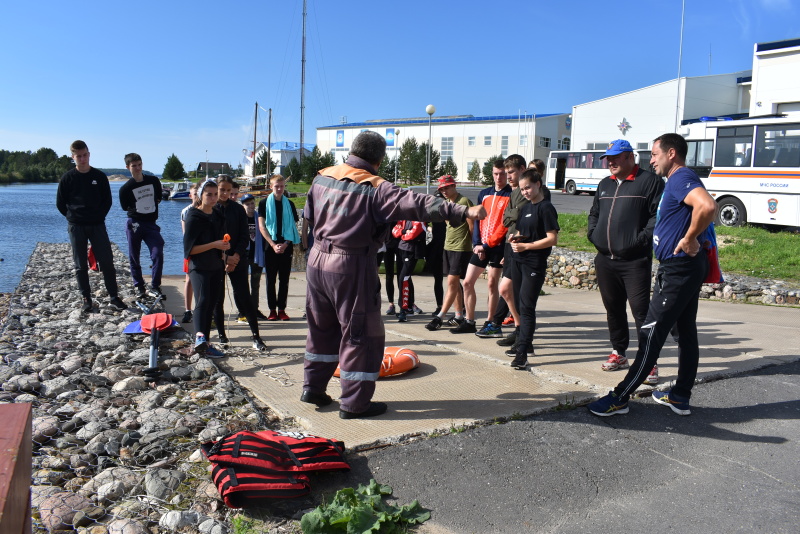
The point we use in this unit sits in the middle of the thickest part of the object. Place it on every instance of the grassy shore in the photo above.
(748, 250)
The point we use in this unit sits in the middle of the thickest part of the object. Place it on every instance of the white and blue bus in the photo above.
(574, 171)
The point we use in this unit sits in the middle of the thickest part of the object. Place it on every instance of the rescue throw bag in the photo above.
(240, 488)
(396, 361)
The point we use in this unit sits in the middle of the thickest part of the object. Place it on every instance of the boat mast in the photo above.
(269, 142)
(303, 84)
(255, 129)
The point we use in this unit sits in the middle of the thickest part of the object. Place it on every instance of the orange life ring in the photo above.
(396, 361)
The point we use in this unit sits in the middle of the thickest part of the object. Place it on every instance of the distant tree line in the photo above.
(44, 165)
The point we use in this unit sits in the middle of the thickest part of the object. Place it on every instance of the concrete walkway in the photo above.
(463, 379)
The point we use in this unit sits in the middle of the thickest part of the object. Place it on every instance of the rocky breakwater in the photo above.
(113, 453)
(571, 269)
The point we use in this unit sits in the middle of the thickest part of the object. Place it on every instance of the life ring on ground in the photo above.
(396, 361)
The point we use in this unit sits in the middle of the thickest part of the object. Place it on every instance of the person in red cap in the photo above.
(457, 253)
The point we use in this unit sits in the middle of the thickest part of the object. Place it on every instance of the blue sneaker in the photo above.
(212, 352)
(490, 330)
(608, 405)
(200, 345)
(679, 405)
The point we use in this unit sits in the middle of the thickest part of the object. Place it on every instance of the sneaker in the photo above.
(200, 345)
(282, 315)
(415, 309)
(509, 340)
(614, 362)
(187, 316)
(652, 378)
(678, 405)
(258, 344)
(508, 321)
(402, 316)
(391, 310)
(375, 408)
(513, 351)
(141, 292)
(242, 319)
(464, 328)
(520, 364)
(223, 339)
(260, 316)
(435, 324)
(436, 311)
(117, 304)
(320, 399)
(155, 292)
(87, 306)
(608, 405)
(490, 330)
(273, 316)
(213, 353)
(455, 321)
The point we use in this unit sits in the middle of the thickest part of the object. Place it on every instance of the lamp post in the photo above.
(396, 152)
(430, 110)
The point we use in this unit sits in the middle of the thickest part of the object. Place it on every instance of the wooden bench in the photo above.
(15, 468)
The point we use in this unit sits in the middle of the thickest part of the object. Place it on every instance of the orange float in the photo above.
(396, 361)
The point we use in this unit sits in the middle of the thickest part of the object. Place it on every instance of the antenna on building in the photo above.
(343, 119)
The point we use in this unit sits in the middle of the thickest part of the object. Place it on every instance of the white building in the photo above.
(465, 139)
(281, 151)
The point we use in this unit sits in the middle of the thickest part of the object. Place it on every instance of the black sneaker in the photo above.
(141, 292)
(455, 321)
(320, 399)
(155, 292)
(435, 324)
(223, 339)
(402, 317)
(187, 316)
(436, 311)
(513, 351)
(117, 304)
(464, 328)
(87, 306)
(520, 364)
(258, 344)
(260, 316)
(509, 340)
(375, 408)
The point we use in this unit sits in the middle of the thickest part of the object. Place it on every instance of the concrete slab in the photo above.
(465, 379)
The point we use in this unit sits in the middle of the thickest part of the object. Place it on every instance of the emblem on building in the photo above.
(624, 126)
(772, 205)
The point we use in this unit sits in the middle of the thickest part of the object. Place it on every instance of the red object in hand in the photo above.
(226, 237)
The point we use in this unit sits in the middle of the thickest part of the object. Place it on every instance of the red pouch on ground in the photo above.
(274, 452)
(243, 487)
(92, 260)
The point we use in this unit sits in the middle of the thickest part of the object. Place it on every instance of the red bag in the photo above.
(242, 488)
(92, 260)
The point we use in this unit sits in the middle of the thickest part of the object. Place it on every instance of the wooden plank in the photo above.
(15, 468)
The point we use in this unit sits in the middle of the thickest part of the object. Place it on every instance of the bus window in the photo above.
(734, 147)
(778, 146)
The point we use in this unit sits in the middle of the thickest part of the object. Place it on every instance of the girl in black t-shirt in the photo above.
(203, 244)
(537, 234)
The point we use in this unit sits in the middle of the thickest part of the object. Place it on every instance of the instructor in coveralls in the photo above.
(351, 210)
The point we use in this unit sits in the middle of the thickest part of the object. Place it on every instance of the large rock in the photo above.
(162, 483)
(58, 510)
(43, 428)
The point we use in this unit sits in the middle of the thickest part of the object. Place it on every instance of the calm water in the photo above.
(28, 215)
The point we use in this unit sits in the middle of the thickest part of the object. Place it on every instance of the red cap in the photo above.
(446, 180)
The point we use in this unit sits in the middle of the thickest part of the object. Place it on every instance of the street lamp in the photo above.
(430, 110)
(396, 152)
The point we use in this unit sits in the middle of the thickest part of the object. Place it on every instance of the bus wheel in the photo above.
(570, 188)
(731, 212)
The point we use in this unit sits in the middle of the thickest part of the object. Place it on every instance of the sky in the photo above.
(177, 77)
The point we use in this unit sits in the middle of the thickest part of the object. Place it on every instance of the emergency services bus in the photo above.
(754, 174)
(574, 171)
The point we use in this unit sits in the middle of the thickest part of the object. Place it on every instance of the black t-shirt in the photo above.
(535, 220)
(262, 210)
(252, 228)
(202, 228)
(140, 199)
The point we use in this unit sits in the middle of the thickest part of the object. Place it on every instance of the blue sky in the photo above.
(169, 76)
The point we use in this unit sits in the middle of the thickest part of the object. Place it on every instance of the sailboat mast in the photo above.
(269, 142)
(255, 128)
(303, 84)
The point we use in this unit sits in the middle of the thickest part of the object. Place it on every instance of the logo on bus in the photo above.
(772, 205)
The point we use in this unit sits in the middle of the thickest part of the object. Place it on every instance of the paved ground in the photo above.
(731, 466)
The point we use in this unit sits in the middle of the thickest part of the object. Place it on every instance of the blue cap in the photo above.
(617, 147)
(247, 197)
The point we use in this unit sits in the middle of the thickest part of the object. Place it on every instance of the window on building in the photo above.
(471, 141)
(778, 146)
(487, 140)
(642, 146)
(446, 153)
(523, 140)
(504, 146)
(544, 142)
(470, 164)
(563, 144)
(734, 147)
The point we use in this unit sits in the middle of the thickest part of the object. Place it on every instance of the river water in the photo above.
(28, 215)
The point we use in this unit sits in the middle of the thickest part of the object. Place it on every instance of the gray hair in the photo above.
(369, 146)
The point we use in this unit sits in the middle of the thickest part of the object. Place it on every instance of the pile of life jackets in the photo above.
(250, 466)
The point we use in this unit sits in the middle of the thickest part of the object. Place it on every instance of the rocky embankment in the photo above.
(570, 269)
(112, 452)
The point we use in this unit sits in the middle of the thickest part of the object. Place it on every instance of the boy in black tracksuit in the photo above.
(621, 223)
